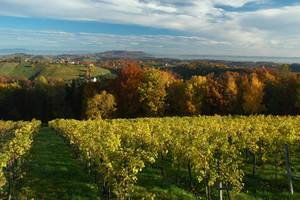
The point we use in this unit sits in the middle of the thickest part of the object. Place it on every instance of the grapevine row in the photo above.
(15, 140)
(214, 149)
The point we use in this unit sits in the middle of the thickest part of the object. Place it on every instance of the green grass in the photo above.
(65, 72)
(52, 172)
(7, 68)
(168, 187)
(269, 185)
(174, 184)
(23, 70)
(26, 70)
(31, 71)
(68, 72)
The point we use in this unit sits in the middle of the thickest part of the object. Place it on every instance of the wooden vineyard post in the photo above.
(219, 174)
(207, 187)
(220, 191)
(288, 168)
(254, 165)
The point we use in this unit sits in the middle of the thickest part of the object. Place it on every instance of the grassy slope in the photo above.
(7, 68)
(23, 70)
(68, 72)
(27, 71)
(52, 172)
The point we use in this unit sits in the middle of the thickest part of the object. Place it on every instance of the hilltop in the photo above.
(66, 66)
(22, 53)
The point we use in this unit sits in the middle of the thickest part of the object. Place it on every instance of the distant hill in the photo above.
(106, 55)
(30, 71)
(12, 51)
(23, 53)
(123, 54)
(71, 66)
(23, 65)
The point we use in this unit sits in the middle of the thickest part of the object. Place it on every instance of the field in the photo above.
(31, 71)
(158, 158)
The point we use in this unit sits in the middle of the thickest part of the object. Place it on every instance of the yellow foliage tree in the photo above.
(253, 94)
(102, 105)
(152, 91)
(194, 93)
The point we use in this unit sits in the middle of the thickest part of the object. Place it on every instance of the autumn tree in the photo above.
(231, 93)
(282, 94)
(176, 100)
(253, 93)
(101, 106)
(213, 95)
(41, 81)
(222, 93)
(153, 91)
(87, 72)
(195, 94)
(127, 84)
(297, 96)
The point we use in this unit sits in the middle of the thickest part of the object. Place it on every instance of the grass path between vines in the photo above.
(52, 172)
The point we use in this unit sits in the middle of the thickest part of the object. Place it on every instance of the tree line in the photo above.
(150, 92)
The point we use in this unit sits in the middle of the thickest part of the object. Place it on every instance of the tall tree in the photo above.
(153, 91)
(128, 81)
(231, 93)
(101, 106)
(195, 94)
(253, 93)
(176, 100)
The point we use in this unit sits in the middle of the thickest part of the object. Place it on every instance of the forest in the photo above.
(139, 90)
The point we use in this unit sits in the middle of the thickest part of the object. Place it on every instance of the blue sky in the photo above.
(207, 27)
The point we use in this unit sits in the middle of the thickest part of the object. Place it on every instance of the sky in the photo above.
(160, 27)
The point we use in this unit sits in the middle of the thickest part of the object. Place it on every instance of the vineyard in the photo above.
(212, 157)
(15, 140)
(209, 157)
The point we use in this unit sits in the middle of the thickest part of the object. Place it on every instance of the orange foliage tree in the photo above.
(128, 81)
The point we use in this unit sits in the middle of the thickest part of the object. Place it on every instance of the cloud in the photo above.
(95, 42)
(164, 13)
(234, 3)
(272, 31)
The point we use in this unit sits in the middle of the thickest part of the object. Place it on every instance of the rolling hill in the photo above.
(29, 71)
(22, 65)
